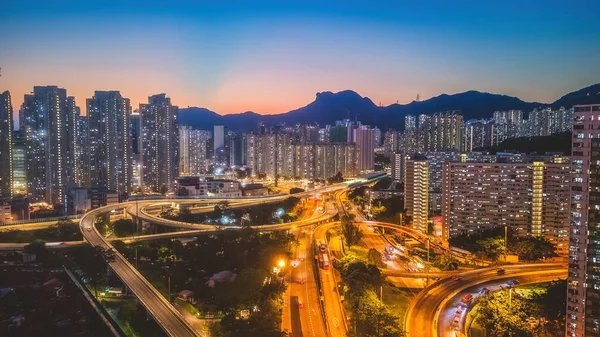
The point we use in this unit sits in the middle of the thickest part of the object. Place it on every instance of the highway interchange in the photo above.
(309, 313)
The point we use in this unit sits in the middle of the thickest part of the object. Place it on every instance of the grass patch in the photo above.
(395, 300)
(360, 252)
(189, 307)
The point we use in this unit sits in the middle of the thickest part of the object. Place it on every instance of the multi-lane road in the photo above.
(158, 307)
(421, 317)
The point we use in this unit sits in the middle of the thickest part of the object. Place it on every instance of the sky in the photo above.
(274, 56)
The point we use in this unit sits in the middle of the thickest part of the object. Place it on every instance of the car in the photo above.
(323, 247)
(89, 229)
(500, 271)
(512, 283)
(300, 305)
(484, 291)
(456, 278)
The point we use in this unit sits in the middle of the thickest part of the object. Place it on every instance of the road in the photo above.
(421, 316)
(448, 310)
(334, 311)
(159, 308)
(163, 312)
(302, 314)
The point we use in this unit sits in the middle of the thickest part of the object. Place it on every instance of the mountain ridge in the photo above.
(327, 107)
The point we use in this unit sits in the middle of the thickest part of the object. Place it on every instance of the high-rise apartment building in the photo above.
(160, 143)
(109, 142)
(218, 137)
(416, 191)
(507, 124)
(137, 162)
(442, 131)
(398, 160)
(410, 122)
(530, 198)
(479, 133)
(6, 146)
(47, 121)
(82, 153)
(391, 142)
(364, 137)
(193, 146)
(583, 288)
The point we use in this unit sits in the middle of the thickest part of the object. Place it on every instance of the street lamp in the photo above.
(281, 263)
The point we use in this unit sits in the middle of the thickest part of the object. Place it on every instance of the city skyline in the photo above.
(271, 58)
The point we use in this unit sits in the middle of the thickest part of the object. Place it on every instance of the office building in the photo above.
(19, 164)
(583, 284)
(218, 137)
(109, 142)
(364, 137)
(530, 198)
(160, 143)
(416, 191)
(193, 146)
(6, 146)
(49, 129)
(237, 150)
(338, 134)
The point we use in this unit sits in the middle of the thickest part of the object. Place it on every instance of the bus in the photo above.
(324, 261)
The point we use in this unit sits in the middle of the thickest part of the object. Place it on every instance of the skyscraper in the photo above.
(583, 286)
(416, 191)
(82, 154)
(46, 120)
(364, 137)
(193, 145)
(160, 143)
(135, 130)
(109, 141)
(6, 153)
(237, 150)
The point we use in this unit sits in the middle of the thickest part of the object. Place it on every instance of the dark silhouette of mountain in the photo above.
(329, 107)
(586, 95)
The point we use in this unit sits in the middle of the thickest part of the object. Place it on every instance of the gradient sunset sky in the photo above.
(273, 56)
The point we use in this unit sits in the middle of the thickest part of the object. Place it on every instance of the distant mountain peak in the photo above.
(331, 106)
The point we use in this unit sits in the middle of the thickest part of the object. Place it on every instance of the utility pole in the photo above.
(169, 280)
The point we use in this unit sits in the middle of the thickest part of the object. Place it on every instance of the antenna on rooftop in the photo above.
(418, 97)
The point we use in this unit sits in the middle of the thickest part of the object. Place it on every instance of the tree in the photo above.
(430, 227)
(352, 233)
(164, 190)
(185, 215)
(445, 262)
(532, 248)
(374, 257)
(184, 192)
(37, 247)
(295, 190)
(491, 248)
(501, 316)
(123, 227)
(377, 210)
(553, 303)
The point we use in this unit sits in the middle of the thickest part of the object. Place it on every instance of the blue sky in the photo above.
(273, 56)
